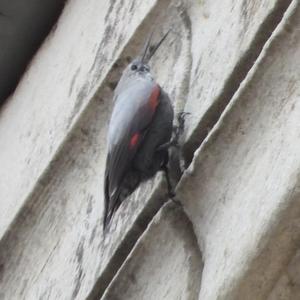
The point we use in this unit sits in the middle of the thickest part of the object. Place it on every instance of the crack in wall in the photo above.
(213, 113)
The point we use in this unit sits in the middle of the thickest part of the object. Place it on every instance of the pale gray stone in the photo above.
(240, 192)
(165, 264)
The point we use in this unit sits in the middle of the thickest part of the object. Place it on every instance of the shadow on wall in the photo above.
(23, 27)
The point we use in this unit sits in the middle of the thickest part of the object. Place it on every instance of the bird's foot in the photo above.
(178, 129)
(181, 121)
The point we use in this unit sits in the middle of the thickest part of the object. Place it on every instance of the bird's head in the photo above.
(140, 65)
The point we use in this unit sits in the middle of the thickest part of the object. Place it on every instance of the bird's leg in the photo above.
(171, 192)
(178, 130)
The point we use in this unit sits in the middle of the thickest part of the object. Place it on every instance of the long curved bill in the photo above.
(145, 58)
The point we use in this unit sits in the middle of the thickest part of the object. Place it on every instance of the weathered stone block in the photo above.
(165, 263)
(242, 190)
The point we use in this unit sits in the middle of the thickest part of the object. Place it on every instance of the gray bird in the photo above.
(139, 134)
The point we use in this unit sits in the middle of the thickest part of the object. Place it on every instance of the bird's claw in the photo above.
(178, 130)
(181, 120)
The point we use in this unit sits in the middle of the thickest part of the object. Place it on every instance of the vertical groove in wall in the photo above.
(239, 73)
(127, 244)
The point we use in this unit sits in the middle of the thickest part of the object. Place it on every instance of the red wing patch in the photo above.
(154, 97)
(134, 139)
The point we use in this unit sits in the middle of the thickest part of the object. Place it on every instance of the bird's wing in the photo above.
(133, 112)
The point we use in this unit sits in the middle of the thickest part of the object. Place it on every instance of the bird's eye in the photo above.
(133, 67)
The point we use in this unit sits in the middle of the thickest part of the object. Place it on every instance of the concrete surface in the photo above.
(239, 193)
(165, 264)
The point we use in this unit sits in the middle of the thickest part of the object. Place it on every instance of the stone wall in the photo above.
(234, 65)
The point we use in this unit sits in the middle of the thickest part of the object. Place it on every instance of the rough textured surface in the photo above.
(240, 192)
(60, 219)
(62, 79)
(242, 189)
(288, 286)
(226, 39)
(169, 268)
